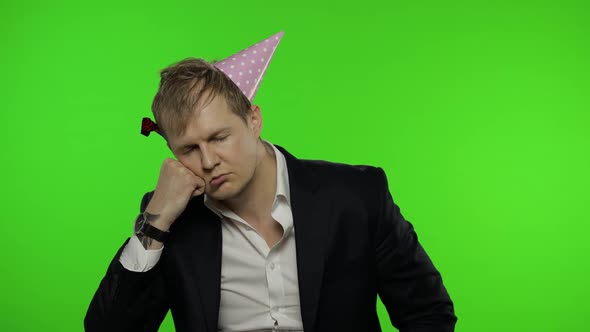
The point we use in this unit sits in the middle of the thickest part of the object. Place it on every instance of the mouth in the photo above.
(216, 181)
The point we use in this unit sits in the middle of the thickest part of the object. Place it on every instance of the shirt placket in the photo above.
(275, 284)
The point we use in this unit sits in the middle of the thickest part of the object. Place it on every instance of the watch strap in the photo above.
(154, 233)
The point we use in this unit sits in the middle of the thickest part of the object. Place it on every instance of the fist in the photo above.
(176, 186)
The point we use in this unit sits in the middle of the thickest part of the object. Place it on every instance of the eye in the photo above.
(219, 139)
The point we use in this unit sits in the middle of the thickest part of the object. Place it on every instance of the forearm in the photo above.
(131, 296)
(126, 300)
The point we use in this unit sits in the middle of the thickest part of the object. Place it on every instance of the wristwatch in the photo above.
(142, 226)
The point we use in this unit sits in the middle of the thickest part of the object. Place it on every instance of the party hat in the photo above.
(247, 67)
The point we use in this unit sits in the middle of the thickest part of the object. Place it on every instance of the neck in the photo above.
(254, 204)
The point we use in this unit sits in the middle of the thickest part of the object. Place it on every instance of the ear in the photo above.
(255, 120)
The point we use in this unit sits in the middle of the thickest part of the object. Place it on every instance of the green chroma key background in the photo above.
(478, 111)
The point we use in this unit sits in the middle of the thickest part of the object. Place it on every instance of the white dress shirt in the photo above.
(259, 285)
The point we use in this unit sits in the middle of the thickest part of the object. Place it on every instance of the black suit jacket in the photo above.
(352, 243)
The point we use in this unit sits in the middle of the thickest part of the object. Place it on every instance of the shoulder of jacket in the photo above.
(353, 176)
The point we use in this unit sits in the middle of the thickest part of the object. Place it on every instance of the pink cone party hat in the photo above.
(247, 67)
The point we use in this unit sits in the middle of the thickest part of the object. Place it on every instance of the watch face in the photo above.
(139, 222)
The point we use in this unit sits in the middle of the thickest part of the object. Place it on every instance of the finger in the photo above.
(198, 191)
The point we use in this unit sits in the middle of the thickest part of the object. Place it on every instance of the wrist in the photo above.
(150, 227)
(159, 220)
(161, 225)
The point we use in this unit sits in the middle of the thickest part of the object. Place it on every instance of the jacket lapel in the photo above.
(200, 233)
(311, 216)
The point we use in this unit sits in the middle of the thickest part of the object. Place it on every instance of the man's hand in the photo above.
(176, 186)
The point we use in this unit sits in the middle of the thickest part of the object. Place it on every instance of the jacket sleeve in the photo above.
(409, 285)
(127, 300)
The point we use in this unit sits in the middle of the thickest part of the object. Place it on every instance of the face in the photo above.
(217, 141)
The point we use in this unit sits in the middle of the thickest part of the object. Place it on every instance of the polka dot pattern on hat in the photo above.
(254, 60)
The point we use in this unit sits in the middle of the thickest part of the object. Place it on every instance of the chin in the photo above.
(222, 193)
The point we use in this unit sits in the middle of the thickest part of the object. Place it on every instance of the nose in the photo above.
(208, 158)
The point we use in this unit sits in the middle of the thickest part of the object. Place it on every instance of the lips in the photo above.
(217, 180)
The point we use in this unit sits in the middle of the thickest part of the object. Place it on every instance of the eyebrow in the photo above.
(215, 133)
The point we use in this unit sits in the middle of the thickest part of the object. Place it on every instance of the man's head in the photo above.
(182, 91)
(209, 125)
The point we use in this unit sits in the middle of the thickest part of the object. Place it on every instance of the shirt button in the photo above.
(272, 266)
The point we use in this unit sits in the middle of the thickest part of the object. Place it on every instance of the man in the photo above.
(240, 235)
